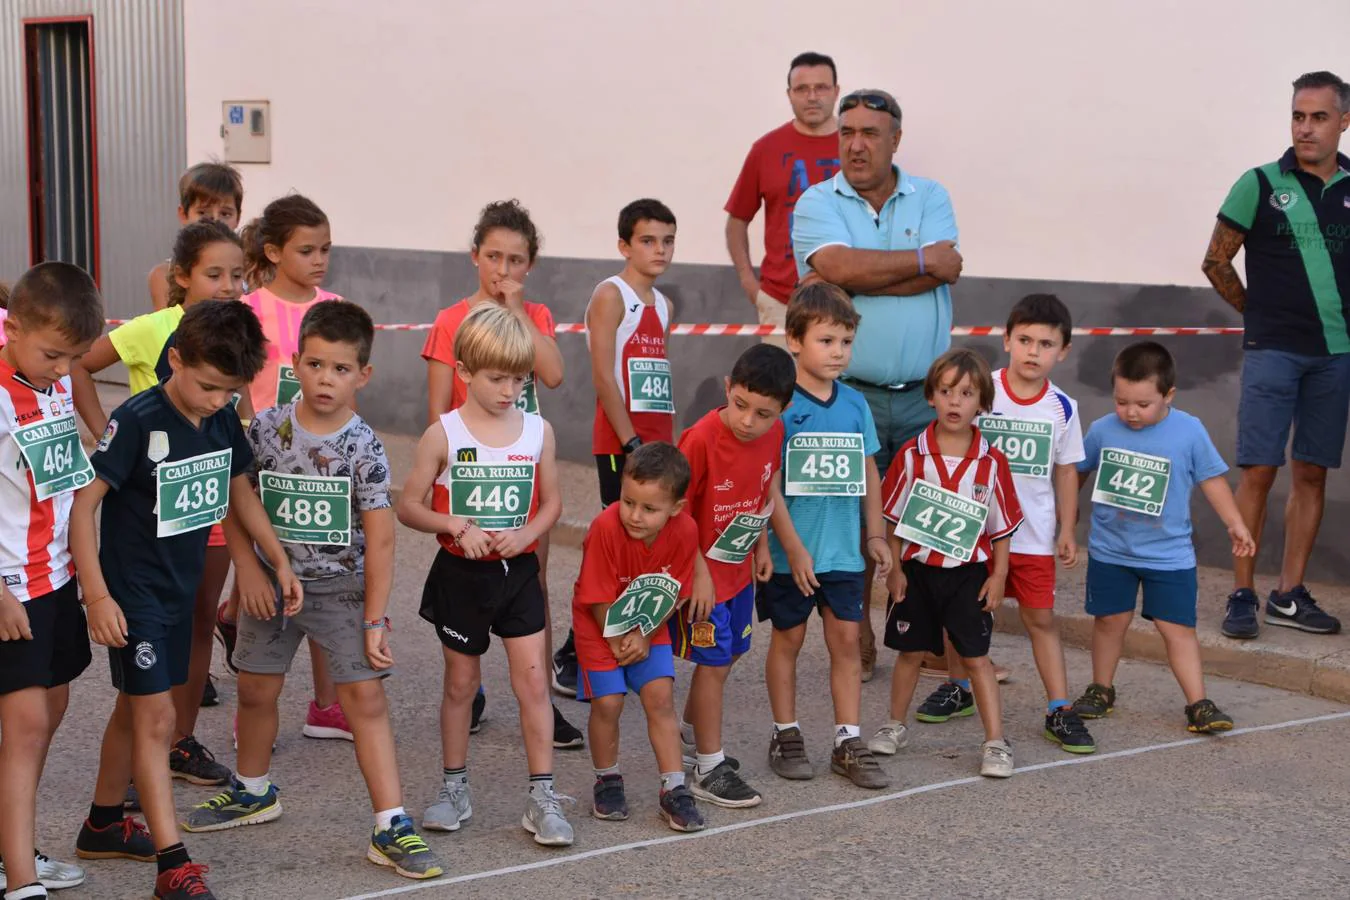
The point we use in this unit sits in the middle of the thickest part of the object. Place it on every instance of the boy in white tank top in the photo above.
(485, 482)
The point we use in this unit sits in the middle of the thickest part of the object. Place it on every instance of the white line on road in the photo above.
(836, 807)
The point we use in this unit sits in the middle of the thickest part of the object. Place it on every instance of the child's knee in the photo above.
(788, 639)
(1040, 621)
(28, 726)
(256, 691)
(909, 660)
(529, 683)
(154, 720)
(607, 709)
(658, 697)
(363, 700)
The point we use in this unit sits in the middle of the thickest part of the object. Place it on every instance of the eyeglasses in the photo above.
(878, 102)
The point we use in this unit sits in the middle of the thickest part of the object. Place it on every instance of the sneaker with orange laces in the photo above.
(327, 723)
(183, 882)
(127, 839)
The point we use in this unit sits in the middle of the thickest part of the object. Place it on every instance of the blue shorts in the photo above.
(1169, 594)
(154, 659)
(732, 623)
(786, 607)
(1281, 390)
(660, 663)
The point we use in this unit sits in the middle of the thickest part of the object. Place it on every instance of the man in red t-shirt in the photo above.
(779, 167)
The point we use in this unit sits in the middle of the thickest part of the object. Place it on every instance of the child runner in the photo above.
(55, 314)
(286, 258)
(952, 498)
(1147, 458)
(324, 481)
(638, 563)
(171, 463)
(505, 246)
(485, 482)
(829, 490)
(208, 190)
(627, 320)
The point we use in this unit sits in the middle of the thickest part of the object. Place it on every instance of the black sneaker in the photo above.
(209, 695)
(226, 633)
(1240, 621)
(565, 668)
(127, 839)
(566, 736)
(479, 704)
(611, 803)
(1203, 717)
(183, 882)
(1065, 727)
(680, 811)
(192, 762)
(949, 701)
(1097, 701)
(1298, 609)
(724, 786)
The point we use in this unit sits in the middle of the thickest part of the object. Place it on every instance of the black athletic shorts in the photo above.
(155, 657)
(470, 599)
(609, 466)
(937, 600)
(59, 650)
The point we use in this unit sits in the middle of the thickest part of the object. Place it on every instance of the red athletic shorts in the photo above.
(1031, 580)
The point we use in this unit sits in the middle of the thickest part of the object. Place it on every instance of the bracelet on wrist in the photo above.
(922, 271)
(377, 625)
(99, 599)
(468, 523)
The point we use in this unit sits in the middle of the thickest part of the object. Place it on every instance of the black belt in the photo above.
(903, 387)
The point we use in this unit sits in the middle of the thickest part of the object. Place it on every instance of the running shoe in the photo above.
(1065, 727)
(453, 807)
(723, 786)
(566, 736)
(189, 760)
(402, 848)
(610, 802)
(232, 808)
(855, 762)
(679, 810)
(1298, 609)
(948, 701)
(127, 839)
(1203, 717)
(52, 874)
(787, 755)
(996, 759)
(1240, 620)
(543, 818)
(327, 723)
(184, 882)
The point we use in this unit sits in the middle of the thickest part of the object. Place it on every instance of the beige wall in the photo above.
(1085, 141)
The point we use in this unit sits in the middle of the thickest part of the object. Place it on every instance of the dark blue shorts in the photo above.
(1169, 594)
(781, 603)
(732, 624)
(1281, 390)
(154, 659)
(660, 663)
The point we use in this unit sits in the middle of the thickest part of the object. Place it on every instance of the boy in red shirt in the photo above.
(640, 560)
(733, 453)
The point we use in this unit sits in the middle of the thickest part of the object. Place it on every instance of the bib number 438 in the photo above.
(192, 493)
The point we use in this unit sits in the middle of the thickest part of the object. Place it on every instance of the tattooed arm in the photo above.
(1218, 265)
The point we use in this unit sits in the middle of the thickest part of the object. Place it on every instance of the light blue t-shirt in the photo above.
(1125, 538)
(828, 526)
(900, 336)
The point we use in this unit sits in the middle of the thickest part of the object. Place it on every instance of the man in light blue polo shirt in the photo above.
(889, 239)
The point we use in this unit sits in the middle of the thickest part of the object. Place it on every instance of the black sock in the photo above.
(171, 857)
(100, 817)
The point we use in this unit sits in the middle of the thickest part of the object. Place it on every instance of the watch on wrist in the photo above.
(632, 444)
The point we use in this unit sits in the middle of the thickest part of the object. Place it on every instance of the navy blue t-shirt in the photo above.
(155, 579)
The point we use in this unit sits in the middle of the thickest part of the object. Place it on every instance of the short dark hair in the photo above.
(4, 295)
(965, 362)
(1145, 360)
(766, 370)
(511, 216)
(340, 322)
(210, 181)
(1322, 80)
(819, 302)
(640, 211)
(225, 334)
(58, 295)
(811, 58)
(1042, 309)
(659, 461)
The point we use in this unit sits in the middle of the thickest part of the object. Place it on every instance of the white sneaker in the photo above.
(889, 739)
(53, 874)
(544, 819)
(31, 892)
(997, 761)
(453, 807)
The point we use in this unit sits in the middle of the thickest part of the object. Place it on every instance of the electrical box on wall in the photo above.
(246, 128)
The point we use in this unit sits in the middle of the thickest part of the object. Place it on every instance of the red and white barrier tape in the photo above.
(764, 330)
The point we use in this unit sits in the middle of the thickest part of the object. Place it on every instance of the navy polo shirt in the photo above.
(155, 579)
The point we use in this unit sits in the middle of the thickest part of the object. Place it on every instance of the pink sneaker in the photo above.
(327, 723)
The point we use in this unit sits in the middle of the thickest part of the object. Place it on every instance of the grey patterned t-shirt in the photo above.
(281, 445)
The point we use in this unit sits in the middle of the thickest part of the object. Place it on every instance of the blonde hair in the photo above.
(491, 337)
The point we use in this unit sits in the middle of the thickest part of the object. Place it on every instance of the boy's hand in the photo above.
(107, 625)
(377, 648)
(880, 552)
(635, 647)
(702, 600)
(763, 562)
(991, 594)
(1243, 545)
(292, 593)
(509, 544)
(616, 647)
(476, 543)
(257, 593)
(803, 571)
(13, 620)
(1068, 551)
(896, 584)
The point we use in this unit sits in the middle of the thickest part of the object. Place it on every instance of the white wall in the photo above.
(1086, 141)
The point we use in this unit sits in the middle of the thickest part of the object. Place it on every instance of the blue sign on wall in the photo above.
(236, 115)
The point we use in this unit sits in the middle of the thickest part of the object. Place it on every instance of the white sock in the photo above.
(671, 780)
(385, 817)
(255, 786)
(784, 726)
(707, 762)
(686, 732)
(844, 732)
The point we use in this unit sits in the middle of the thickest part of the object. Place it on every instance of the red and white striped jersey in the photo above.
(982, 475)
(34, 550)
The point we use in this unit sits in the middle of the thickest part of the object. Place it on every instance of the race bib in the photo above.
(941, 520)
(288, 386)
(497, 496)
(55, 456)
(735, 543)
(1132, 481)
(308, 509)
(1028, 443)
(644, 604)
(649, 385)
(528, 401)
(192, 493)
(819, 463)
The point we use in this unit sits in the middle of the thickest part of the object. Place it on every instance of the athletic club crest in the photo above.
(145, 656)
(981, 493)
(1283, 199)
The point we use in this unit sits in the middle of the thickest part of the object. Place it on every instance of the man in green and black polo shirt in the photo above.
(1293, 217)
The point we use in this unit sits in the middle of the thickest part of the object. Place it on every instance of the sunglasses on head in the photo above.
(877, 102)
